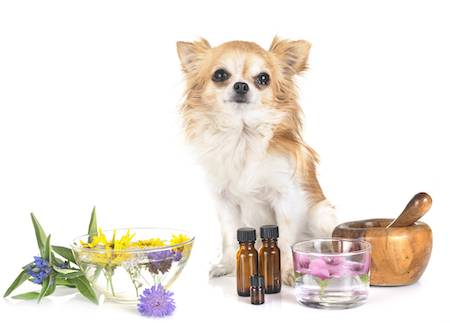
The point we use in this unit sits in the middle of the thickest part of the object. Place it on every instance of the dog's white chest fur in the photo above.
(242, 174)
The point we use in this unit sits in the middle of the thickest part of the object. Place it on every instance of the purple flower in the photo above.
(161, 261)
(156, 302)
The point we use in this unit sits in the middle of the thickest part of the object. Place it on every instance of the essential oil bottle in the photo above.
(246, 260)
(257, 290)
(269, 259)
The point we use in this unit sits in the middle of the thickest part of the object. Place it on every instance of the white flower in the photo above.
(130, 263)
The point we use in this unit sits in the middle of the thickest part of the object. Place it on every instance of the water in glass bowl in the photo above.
(335, 293)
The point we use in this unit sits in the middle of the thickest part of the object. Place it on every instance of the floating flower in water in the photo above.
(152, 243)
(363, 270)
(101, 242)
(177, 240)
(156, 302)
(161, 261)
(324, 269)
(180, 239)
(110, 259)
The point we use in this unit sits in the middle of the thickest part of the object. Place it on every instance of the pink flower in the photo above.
(301, 264)
(321, 273)
(319, 269)
(305, 261)
(324, 268)
(361, 269)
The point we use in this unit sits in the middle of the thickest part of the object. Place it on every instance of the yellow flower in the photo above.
(109, 256)
(102, 240)
(88, 245)
(176, 240)
(180, 239)
(152, 243)
(124, 242)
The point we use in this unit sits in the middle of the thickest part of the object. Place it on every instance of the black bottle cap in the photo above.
(257, 281)
(246, 234)
(269, 232)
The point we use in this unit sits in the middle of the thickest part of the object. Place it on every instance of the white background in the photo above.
(88, 117)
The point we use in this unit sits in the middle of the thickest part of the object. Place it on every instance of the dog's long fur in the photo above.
(261, 171)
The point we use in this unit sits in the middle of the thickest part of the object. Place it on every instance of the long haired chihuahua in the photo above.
(241, 116)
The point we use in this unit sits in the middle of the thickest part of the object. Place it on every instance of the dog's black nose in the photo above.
(241, 88)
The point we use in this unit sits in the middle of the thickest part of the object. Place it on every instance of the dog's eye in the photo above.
(220, 76)
(263, 79)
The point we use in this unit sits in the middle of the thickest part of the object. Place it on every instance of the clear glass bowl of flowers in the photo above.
(122, 263)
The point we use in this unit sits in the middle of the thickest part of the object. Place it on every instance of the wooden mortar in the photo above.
(401, 248)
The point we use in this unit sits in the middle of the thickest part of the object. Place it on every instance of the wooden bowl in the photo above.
(400, 255)
(401, 248)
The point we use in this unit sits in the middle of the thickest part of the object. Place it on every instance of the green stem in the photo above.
(109, 280)
(144, 279)
(111, 284)
(136, 286)
(322, 283)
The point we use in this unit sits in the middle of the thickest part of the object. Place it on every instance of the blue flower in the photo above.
(40, 270)
(156, 302)
(64, 265)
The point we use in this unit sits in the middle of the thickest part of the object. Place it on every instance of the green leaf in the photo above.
(44, 289)
(364, 278)
(64, 271)
(85, 288)
(64, 282)
(70, 275)
(23, 276)
(30, 295)
(48, 250)
(64, 252)
(92, 231)
(40, 234)
(52, 286)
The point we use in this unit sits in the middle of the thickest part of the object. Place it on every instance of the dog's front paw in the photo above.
(218, 270)
(288, 277)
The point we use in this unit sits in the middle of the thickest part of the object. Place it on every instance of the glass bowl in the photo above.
(137, 259)
(332, 273)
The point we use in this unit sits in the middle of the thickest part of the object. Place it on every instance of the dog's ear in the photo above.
(293, 55)
(190, 54)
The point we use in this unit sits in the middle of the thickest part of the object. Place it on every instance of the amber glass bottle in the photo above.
(246, 260)
(269, 259)
(257, 290)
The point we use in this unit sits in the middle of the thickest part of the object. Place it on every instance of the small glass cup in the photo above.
(332, 273)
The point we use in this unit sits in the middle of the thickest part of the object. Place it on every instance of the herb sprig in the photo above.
(50, 271)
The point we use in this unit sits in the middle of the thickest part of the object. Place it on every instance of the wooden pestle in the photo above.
(414, 210)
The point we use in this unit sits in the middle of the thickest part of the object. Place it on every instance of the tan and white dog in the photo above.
(242, 118)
